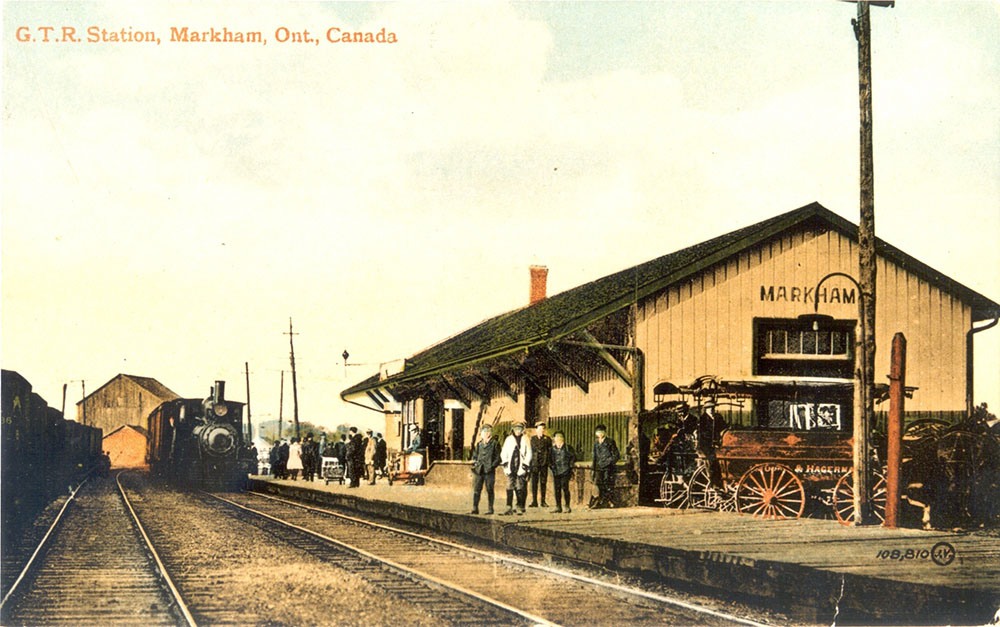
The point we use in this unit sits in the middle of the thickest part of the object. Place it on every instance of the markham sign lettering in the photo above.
(842, 295)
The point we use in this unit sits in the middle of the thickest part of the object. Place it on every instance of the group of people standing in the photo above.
(361, 457)
(288, 458)
(364, 457)
(525, 460)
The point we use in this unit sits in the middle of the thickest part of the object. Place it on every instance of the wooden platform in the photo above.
(815, 569)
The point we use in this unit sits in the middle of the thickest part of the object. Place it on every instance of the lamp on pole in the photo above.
(861, 474)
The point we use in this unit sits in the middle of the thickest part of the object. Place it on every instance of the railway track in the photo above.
(92, 567)
(541, 593)
(218, 593)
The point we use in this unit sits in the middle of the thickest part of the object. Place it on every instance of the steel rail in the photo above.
(524, 564)
(181, 605)
(536, 620)
(41, 544)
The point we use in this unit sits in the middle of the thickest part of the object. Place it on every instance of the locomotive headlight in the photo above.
(220, 410)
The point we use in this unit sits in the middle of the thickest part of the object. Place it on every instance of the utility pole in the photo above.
(83, 403)
(249, 438)
(64, 401)
(295, 389)
(864, 405)
(281, 404)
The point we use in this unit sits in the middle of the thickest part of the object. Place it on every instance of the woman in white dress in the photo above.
(294, 458)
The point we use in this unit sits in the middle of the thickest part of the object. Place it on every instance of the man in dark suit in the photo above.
(485, 459)
(381, 454)
(541, 444)
(355, 457)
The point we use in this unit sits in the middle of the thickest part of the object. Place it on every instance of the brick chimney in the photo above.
(539, 274)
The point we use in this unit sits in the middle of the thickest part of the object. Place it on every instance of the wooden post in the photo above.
(638, 402)
(894, 454)
(64, 401)
(249, 433)
(83, 389)
(295, 387)
(867, 271)
(281, 405)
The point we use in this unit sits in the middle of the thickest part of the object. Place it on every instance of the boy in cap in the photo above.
(606, 455)
(485, 459)
(562, 458)
(515, 457)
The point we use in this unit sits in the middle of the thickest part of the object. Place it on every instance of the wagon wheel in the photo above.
(843, 498)
(673, 492)
(964, 454)
(701, 494)
(771, 491)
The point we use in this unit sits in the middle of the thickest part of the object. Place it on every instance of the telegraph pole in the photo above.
(295, 389)
(864, 406)
(249, 438)
(281, 405)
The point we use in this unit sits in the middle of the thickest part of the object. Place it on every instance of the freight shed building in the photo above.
(126, 446)
(124, 400)
(740, 308)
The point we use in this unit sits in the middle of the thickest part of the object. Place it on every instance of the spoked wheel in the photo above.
(843, 498)
(964, 454)
(771, 491)
(700, 490)
(673, 492)
(703, 495)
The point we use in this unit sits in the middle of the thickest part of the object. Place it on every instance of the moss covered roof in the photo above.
(568, 312)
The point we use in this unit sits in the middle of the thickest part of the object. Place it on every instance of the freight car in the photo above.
(198, 443)
(42, 454)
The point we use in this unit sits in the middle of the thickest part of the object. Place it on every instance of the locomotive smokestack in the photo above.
(220, 392)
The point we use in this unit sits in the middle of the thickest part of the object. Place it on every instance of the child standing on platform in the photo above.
(561, 460)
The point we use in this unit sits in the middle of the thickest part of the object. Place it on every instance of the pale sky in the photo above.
(166, 208)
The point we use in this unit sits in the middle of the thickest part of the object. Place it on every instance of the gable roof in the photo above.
(149, 384)
(136, 428)
(565, 313)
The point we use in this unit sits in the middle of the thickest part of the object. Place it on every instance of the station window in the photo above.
(795, 347)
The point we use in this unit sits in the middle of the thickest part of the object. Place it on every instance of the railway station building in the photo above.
(124, 400)
(770, 309)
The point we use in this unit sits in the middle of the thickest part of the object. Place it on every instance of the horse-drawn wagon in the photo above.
(804, 461)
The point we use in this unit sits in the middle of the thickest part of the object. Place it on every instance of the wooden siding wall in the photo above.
(512, 411)
(121, 402)
(607, 393)
(705, 325)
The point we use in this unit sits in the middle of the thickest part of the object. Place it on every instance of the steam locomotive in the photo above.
(198, 443)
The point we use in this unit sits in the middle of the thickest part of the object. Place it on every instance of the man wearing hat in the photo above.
(541, 444)
(414, 439)
(515, 458)
(355, 457)
(485, 459)
(605, 457)
(710, 428)
(381, 454)
(370, 457)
